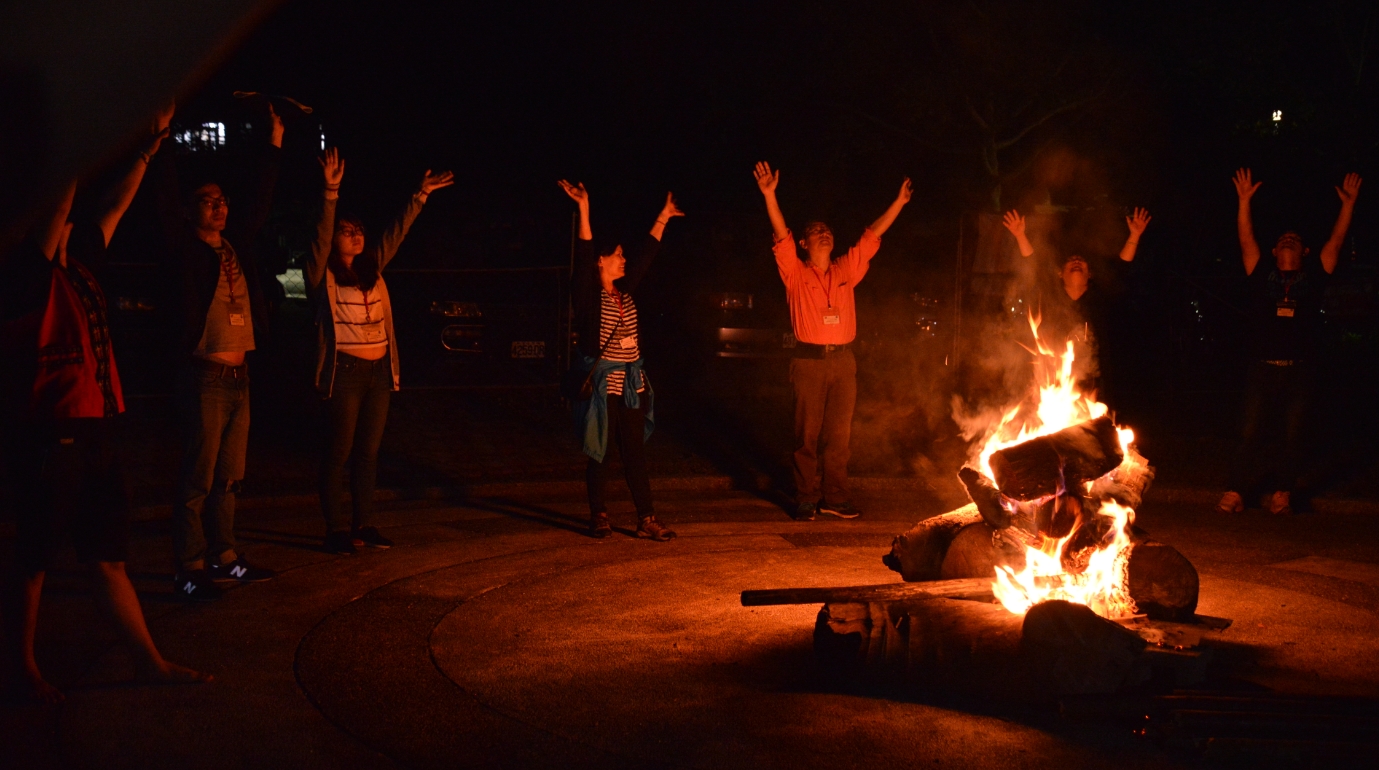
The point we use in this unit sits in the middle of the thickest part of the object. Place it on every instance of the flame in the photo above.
(1095, 574)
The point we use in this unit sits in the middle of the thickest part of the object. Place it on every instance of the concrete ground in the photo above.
(495, 634)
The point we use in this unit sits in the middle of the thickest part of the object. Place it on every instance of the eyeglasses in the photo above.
(350, 232)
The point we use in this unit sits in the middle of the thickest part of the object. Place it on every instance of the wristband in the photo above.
(332, 187)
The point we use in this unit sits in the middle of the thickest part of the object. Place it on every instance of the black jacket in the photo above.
(585, 288)
(194, 265)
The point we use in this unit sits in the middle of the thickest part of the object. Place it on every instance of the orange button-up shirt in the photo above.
(810, 291)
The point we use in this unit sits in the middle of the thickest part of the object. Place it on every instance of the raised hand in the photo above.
(1245, 185)
(276, 134)
(577, 192)
(670, 209)
(1349, 189)
(1137, 221)
(159, 130)
(1014, 223)
(431, 182)
(907, 190)
(766, 178)
(333, 167)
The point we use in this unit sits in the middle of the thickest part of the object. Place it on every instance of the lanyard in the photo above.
(1289, 281)
(229, 266)
(617, 297)
(826, 286)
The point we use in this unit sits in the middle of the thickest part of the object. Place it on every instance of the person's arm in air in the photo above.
(265, 179)
(787, 259)
(116, 203)
(585, 276)
(1245, 187)
(1136, 222)
(639, 263)
(887, 218)
(1016, 225)
(1347, 192)
(333, 169)
(392, 237)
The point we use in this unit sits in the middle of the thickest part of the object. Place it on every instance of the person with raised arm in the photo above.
(617, 416)
(356, 351)
(1285, 313)
(1072, 305)
(823, 314)
(223, 315)
(59, 397)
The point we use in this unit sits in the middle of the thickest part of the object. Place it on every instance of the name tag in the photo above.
(628, 343)
(832, 316)
(1286, 308)
(236, 314)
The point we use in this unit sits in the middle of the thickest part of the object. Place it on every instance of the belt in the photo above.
(1280, 363)
(222, 370)
(810, 350)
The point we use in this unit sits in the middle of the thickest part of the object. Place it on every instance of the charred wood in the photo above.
(986, 497)
(1049, 464)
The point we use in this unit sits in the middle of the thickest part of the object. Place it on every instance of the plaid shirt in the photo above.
(93, 300)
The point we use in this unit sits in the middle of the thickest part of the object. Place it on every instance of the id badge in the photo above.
(236, 314)
(628, 343)
(832, 317)
(1286, 308)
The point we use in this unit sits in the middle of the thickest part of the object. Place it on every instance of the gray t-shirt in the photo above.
(229, 324)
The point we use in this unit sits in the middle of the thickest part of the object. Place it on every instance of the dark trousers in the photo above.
(357, 410)
(825, 395)
(1277, 399)
(213, 409)
(627, 439)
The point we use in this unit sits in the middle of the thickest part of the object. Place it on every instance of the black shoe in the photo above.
(599, 526)
(648, 527)
(368, 537)
(240, 570)
(805, 512)
(196, 586)
(341, 543)
(841, 510)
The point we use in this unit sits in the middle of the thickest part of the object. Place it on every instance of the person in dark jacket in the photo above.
(59, 395)
(619, 416)
(356, 351)
(223, 316)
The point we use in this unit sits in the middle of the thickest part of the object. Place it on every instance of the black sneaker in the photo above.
(368, 537)
(341, 543)
(841, 510)
(196, 586)
(240, 570)
(599, 526)
(805, 512)
(648, 527)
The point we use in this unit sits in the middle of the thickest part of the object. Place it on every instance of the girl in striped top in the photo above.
(619, 416)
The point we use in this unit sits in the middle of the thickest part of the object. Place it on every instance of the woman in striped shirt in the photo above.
(619, 416)
(356, 352)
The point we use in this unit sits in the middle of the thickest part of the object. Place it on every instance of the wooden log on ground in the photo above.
(1072, 650)
(1163, 583)
(1038, 467)
(978, 589)
(974, 553)
(986, 497)
(918, 553)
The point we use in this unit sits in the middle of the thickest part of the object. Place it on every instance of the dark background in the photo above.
(1077, 110)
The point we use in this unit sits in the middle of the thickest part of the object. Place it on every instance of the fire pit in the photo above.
(1070, 597)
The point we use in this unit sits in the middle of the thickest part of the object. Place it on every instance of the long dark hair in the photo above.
(363, 271)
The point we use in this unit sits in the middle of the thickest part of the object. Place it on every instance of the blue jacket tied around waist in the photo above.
(591, 417)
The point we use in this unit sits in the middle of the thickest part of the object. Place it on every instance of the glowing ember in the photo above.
(1083, 567)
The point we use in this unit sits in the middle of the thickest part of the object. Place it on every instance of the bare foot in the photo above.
(164, 672)
(32, 687)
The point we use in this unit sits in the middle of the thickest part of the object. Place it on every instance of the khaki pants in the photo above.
(825, 394)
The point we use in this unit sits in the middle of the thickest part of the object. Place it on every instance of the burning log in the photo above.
(1163, 582)
(1074, 650)
(918, 554)
(986, 497)
(1049, 464)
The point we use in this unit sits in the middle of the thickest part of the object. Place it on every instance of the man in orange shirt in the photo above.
(823, 313)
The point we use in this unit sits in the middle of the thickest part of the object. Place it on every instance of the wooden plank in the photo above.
(977, 589)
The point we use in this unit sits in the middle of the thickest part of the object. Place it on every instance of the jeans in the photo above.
(213, 409)
(357, 410)
(825, 395)
(1275, 397)
(626, 438)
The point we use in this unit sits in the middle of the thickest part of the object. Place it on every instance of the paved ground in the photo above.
(496, 635)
